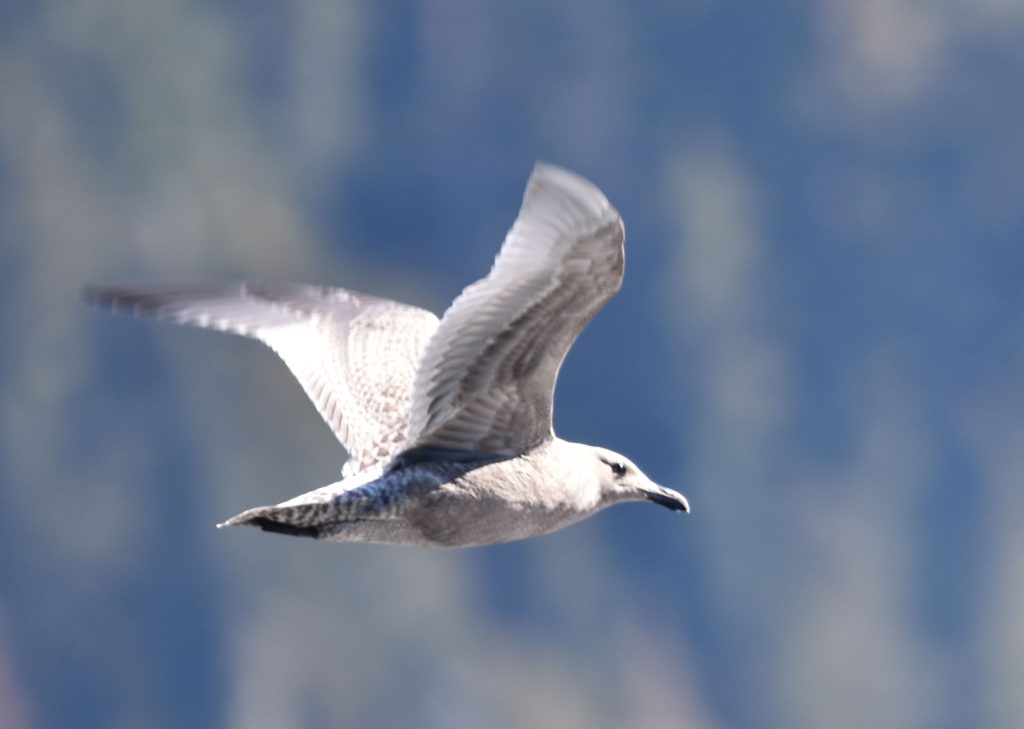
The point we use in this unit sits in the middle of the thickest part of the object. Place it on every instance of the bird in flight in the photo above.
(447, 423)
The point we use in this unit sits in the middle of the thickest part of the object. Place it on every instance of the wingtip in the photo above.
(114, 298)
(573, 189)
(561, 176)
(544, 167)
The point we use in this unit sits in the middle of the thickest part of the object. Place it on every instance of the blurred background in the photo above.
(820, 341)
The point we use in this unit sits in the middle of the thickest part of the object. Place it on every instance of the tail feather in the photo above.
(272, 519)
(279, 527)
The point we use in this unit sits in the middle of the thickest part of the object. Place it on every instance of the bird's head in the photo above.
(621, 480)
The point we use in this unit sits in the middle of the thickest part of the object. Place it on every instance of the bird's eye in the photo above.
(618, 468)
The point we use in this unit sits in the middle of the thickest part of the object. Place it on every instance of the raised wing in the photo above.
(355, 355)
(487, 377)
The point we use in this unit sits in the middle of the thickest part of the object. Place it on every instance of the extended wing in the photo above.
(355, 355)
(487, 376)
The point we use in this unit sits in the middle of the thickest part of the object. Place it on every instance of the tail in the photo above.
(276, 519)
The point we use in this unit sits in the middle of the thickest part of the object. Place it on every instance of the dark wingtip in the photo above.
(113, 298)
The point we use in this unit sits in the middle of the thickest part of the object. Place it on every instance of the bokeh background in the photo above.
(820, 341)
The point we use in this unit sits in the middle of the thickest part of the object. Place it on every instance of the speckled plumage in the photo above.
(447, 424)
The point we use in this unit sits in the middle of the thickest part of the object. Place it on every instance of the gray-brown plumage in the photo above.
(447, 424)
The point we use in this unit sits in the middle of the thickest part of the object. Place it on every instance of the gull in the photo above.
(447, 423)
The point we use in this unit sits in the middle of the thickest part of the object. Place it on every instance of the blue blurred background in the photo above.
(820, 341)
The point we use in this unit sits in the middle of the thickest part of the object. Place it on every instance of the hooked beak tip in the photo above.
(669, 499)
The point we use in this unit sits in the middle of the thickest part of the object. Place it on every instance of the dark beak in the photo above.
(667, 497)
